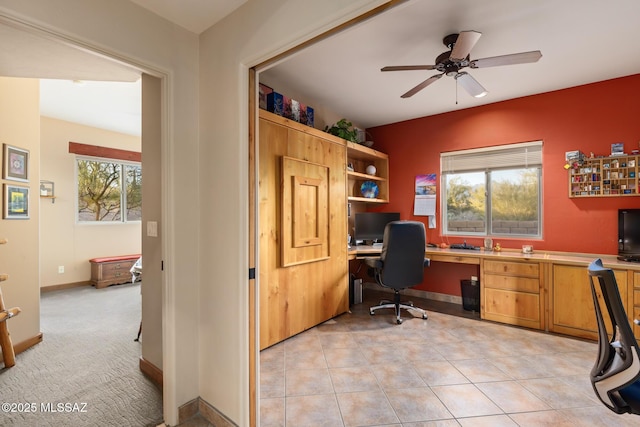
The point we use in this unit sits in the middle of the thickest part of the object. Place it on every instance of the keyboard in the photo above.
(628, 258)
(464, 246)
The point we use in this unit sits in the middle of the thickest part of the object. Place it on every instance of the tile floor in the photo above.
(362, 370)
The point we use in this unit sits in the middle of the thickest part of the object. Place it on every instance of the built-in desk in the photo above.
(363, 251)
(544, 290)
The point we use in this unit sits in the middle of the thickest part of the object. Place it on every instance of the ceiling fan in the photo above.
(457, 58)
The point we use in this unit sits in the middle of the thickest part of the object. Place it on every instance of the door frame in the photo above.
(253, 194)
(170, 411)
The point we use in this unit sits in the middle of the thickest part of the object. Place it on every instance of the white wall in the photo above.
(253, 33)
(122, 29)
(63, 242)
(323, 114)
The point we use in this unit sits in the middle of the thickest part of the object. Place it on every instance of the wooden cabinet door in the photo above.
(572, 311)
(303, 269)
(515, 308)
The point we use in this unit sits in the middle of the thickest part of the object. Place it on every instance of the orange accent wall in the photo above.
(588, 118)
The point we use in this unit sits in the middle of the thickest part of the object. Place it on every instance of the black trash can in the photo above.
(470, 295)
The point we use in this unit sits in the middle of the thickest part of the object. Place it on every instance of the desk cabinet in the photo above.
(510, 293)
(571, 306)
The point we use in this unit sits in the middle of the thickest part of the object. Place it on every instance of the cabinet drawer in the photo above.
(524, 284)
(116, 266)
(636, 328)
(523, 269)
(519, 308)
(636, 297)
(636, 279)
(109, 274)
(458, 259)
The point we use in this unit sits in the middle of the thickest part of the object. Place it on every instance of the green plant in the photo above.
(344, 129)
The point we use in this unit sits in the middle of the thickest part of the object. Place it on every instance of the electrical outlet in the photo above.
(61, 269)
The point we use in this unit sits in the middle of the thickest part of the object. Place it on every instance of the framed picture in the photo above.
(16, 202)
(16, 164)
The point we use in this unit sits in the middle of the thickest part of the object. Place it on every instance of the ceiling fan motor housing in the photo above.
(449, 67)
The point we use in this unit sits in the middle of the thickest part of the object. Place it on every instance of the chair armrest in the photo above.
(427, 262)
(374, 262)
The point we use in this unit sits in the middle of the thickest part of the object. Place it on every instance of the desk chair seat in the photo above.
(401, 264)
(616, 374)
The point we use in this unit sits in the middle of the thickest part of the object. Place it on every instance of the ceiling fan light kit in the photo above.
(457, 57)
(470, 84)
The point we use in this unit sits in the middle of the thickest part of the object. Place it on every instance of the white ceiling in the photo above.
(109, 96)
(194, 15)
(582, 41)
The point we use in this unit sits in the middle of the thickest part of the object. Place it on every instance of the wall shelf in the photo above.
(47, 190)
(359, 157)
(614, 176)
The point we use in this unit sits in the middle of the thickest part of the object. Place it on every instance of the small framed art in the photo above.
(16, 202)
(15, 166)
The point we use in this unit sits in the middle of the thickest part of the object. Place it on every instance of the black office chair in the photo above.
(401, 263)
(616, 374)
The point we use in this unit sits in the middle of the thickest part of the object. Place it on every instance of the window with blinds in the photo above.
(493, 191)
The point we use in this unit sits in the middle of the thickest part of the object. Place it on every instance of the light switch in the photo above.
(152, 229)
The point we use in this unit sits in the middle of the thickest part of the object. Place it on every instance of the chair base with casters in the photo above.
(397, 305)
(615, 377)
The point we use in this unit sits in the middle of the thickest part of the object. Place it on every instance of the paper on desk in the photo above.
(425, 195)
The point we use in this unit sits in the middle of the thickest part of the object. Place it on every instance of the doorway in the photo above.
(82, 63)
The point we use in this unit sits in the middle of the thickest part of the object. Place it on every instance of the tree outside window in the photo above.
(501, 202)
(103, 194)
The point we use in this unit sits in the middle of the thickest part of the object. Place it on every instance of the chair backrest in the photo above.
(403, 250)
(617, 365)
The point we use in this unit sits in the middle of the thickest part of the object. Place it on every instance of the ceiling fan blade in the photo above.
(408, 68)
(471, 85)
(463, 45)
(514, 58)
(421, 86)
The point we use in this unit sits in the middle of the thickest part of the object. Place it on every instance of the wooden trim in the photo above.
(212, 415)
(199, 406)
(104, 152)
(188, 410)
(65, 286)
(151, 371)
(253, 360)
(283, 121)
(28, 343)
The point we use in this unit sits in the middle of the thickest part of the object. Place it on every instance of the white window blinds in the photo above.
(522, 155)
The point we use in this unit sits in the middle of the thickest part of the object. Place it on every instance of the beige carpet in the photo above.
(85, 372)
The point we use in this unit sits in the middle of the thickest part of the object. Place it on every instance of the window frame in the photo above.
(123, 193)
(528, 157)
